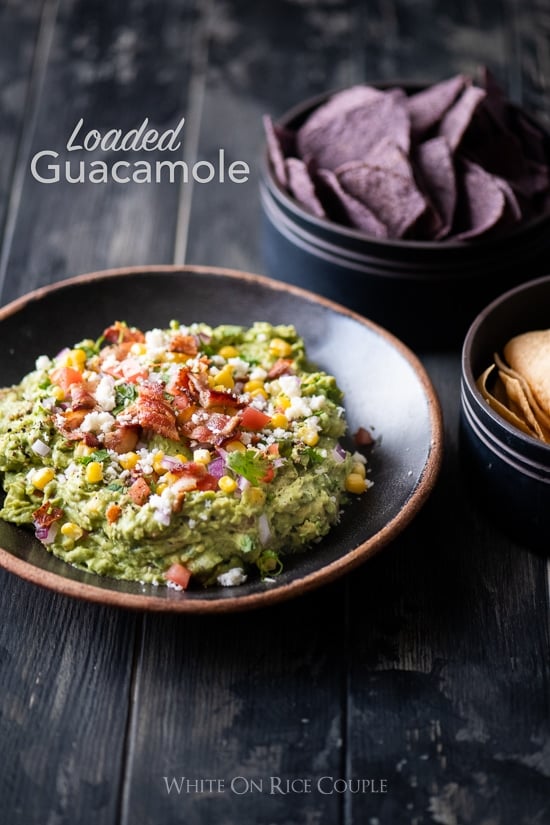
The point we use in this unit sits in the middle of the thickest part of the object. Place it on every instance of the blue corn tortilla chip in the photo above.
(457, 119)
(346, 209)
(301, 186)
(393, 198)
(481, 202)
(426, 108)
(435, 171)
(275, 151)
(344, 130)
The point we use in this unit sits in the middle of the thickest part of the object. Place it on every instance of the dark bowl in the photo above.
(403, 411)
(508, 471)
(426, 292)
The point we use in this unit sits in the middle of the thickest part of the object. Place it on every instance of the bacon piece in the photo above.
(122, 439)
(363, 438)
(46, 515)
(81, 398)
(186, 344)
(139, 491)
(119, 333)
(179, 384)
(69, 421)
(219, 398)
(113, 513)
(283, 366)
(153, 412)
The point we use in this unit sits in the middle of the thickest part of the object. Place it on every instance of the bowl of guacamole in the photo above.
(198, 439)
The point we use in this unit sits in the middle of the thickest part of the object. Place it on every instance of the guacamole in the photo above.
(179, 455)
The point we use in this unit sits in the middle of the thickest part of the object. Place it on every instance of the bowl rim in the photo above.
(304, 107)
(329, 572)
(529, 442)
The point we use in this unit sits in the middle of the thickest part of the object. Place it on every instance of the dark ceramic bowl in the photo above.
(508, 470)
(427, 293)
(385, 387)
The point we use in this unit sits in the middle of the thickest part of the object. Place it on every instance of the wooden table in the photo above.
(425, 672)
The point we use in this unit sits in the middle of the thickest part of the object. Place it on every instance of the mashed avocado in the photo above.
(183, 453)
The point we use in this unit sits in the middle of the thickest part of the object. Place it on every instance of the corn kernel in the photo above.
(358, 469)
(128, 460)
(283, 402)
(227, 484)
(279, 420)
(310, 437)
(235, 446)
(94, 472)
(42, 477)
(223, 379)
(254, 384)
(138, 348)
(228, 351)
(176, 357)
(169, 478)
(253, 495)
(157, 463)
(259, 391)
(161, 488)
(82, 450)
(280, 348)
(58, 393)
(181, 457)
(355, 483)
(75, 358)
(201, 456)
(72, 530)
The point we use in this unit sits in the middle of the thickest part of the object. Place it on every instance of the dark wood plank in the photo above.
(450, 669)
(66, 671)
(19, 28)
(263, 58)
(261, 695)
(250, 701)
(67, 667)
(113, 65)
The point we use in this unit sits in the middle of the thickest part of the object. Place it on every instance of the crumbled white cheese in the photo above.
(232, 577)
(258, 374)
(105, 393)
(157, 341)
(290, 385)
(43, 363)
(97, 422)
(299, 408)
(317, 402)
(240, 367)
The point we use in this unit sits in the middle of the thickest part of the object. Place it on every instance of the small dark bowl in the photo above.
(427, 293)
(508, 471)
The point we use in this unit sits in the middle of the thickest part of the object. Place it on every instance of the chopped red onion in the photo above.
(170, 462)
(243, 483)
(47, 534)
(339, 454)
(216, 467)
(264, 529)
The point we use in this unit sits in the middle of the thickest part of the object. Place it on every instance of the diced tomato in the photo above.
(253, 419)
(269, 475)
(65, 376)
(273, 449)
(132, 371)
(178, 574)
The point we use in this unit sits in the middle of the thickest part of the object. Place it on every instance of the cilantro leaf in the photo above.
(124, 395)
(250, 465)
(98, 455)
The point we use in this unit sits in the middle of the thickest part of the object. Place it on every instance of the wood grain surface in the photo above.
(428, 669)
